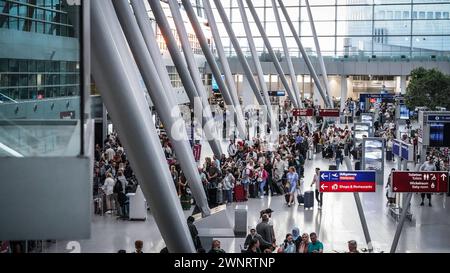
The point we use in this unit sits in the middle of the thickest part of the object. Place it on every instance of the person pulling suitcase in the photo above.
(315, 183)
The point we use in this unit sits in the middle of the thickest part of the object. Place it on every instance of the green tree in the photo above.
(430, 88)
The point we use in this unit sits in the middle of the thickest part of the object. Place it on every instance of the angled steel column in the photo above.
(240, 54)
(319, 54)
(272, 53)
(160, 90)
(255, 58)
(399, 229)
(188, 83)
(360, 208)
(186, 47)
(236, 108)
(286, 53)
(114, 77)
(305, 56)
(220, 51)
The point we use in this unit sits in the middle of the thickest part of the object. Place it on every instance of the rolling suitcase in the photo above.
(332, 167)
(212, 196)
(185, 200)
(278, 186)
(219, 196)
(239, 193)
(388, 155)
(253, 190)
(308, 199)
(357, 165)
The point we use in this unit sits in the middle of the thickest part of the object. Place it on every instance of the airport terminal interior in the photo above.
(236, 126)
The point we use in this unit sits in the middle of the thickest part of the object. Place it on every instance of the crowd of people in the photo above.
(113, 178)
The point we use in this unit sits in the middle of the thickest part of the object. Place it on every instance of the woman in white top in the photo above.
(108, 188)
(228, 185)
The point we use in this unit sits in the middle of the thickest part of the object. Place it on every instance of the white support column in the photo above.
(344, 91)
(403, 84)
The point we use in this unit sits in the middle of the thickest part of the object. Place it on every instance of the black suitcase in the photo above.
(308, 199)
(388, 155)
(253, 190)
(212, 196)
(278, 187)
(332, 167)
(357, 165)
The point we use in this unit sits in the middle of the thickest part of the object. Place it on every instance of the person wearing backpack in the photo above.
(120, 189)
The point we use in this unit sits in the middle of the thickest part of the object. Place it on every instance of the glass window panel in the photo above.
(391, 1)
(32, 79)
(32, 93)
(32, 66)
(4, 65)
(435, 27)
(430, 45)
(322, 28)
(23, 93)
(353, 46)
(406, 15)
(354, 28)
(354, 13)
(319, 13)
(394, 27)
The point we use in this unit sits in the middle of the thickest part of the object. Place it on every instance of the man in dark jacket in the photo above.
(264, 229)
(253, 235)
(194, 232)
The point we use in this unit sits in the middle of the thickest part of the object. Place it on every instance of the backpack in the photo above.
(117, 187)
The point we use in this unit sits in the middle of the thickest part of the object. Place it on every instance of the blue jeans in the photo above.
(229, 196)
(338, 162)
(262, 184)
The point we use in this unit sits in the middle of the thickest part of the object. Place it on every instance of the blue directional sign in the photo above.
(438, 118)
(396, 148)
(347, 181)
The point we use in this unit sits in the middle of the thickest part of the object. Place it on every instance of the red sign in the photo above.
(329, 112)
(419, 181)
(347, 187)
(67, 115)
(305, 112)
(197, 149)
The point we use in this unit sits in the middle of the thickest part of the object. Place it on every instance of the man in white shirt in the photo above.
(427, 166)
(232, 149)
(110, 153)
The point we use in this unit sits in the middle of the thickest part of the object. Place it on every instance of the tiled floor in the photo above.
(335, 224)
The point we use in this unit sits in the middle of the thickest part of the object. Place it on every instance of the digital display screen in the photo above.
(404, 112)
(359, 135)
(361, 127)
(439, 134)
(374, 144)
